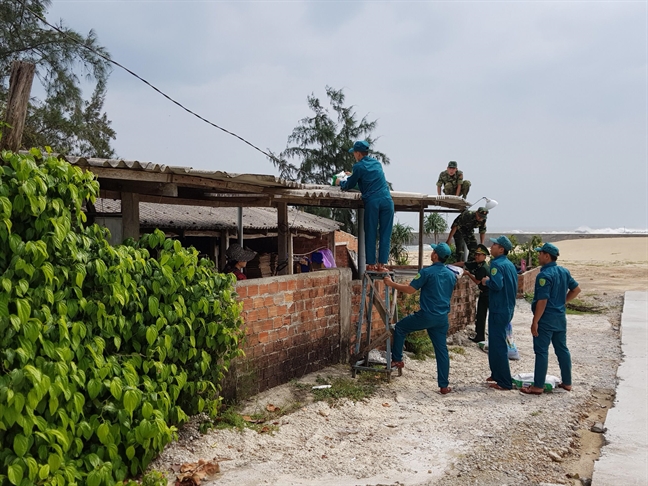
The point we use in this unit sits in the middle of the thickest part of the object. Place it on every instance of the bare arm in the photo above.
(540, 307)
(405, 288)
(482, 237)
(453, 230)
(572, 294)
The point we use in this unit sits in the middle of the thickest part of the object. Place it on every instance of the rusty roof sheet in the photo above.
(205, 218)
(322, 194)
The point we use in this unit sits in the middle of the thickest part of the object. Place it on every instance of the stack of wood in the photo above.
(263, 265)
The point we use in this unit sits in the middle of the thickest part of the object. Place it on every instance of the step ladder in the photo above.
(386, 307)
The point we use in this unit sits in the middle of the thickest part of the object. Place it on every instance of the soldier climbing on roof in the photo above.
(463, 231)
(452, 182)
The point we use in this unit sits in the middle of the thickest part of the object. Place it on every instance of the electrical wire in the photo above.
(106, 58)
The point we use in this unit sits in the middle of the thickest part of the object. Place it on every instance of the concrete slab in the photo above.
(624, 459)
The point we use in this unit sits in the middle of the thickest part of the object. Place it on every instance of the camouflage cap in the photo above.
(482, 250)
(483, 212)
(549, 248)
(452, 164)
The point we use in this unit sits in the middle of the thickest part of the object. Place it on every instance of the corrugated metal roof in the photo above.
(205, 218)
(321, 194)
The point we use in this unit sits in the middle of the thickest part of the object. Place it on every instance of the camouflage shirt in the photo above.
(445, 178)
(466, 223)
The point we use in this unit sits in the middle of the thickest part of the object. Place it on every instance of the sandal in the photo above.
(565, 387)
(397, 364)
(532, 390)
(445, 390)
(490, 378)
(497, 387)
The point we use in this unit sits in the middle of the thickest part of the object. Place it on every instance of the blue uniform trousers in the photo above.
(378, 221)
(437, 329)
(498, 349)
(541, 350)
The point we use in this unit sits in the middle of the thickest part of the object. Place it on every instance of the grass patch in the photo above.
(457, 350)
(528, 296)
(231, 418)
(578, 306)
(419, 343)
(358, 389)
(536, 413)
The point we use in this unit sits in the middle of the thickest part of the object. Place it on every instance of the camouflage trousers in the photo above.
(451, 190)
(465, 242)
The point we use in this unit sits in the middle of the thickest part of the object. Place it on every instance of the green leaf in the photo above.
(15, 474)
(103, 433)
(94, 387)
(130, 452)
(116, 388)
(151, 334)
(131, 400)
(94, 478)
(44, 471)
(24, 310)
(153, 305)
(20, 445)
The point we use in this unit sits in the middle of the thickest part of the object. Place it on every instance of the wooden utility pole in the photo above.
(20, 83)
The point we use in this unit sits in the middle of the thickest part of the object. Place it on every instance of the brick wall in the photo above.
(526, 281)
(292, 327)
(298, 324)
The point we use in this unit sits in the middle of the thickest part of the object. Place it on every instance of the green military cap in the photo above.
(452, 164)
(504, 242)
(483, 212)
(482, 250)
(549, 248)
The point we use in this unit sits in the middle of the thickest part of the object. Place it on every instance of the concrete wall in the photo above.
(297, 324)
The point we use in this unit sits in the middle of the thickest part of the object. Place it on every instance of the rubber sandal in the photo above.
(565, 387)
(532, 390)
(445, 390)
(397, 364)
(497, 387)
(490, 378)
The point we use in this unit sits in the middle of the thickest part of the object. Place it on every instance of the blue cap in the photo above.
(504, 242)
(549, 248)
(360, 146)
(442, 249)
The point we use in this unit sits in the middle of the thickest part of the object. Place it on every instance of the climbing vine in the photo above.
(103, 350)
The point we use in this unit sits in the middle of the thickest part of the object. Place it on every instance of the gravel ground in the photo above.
(409, 434)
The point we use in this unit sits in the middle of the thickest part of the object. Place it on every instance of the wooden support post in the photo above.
(420, 234)
(224, 244)
(282, 238)
(130, 215)
(20, 83)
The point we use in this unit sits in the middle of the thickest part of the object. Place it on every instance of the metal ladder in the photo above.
(386, 309)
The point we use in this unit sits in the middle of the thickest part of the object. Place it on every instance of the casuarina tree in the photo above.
(63, 119)
(318, 148)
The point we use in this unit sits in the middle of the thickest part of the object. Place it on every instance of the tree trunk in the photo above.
(20, 83)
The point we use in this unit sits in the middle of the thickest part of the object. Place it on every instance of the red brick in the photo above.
(263, 313)
(263, 337)
(252, 290)
(273, 288)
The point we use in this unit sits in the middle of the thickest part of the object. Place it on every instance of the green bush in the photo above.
(103, 350)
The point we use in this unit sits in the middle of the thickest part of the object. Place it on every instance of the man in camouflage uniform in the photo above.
(452, 182)
(463, 230)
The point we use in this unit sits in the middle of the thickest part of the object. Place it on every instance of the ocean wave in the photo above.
(583, 230)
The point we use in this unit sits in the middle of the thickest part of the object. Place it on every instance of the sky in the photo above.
(543, 104)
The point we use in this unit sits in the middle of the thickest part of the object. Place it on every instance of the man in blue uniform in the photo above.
(502, 284)
(554, 287)
(379, 207)
(436, 284)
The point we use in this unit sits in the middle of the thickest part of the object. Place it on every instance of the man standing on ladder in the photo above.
(436, 284)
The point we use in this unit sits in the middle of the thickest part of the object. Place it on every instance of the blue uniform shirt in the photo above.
(553, 283)
(368, 174)
(436, 283)
(503, 285)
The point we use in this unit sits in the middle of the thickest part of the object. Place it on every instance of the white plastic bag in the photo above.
(510, 343)
(524, 380)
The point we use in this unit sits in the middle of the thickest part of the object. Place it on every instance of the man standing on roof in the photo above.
(502, 284)
(463, 230)
(452, 182)
(436, 284)
(379, 208)
(554, 287)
